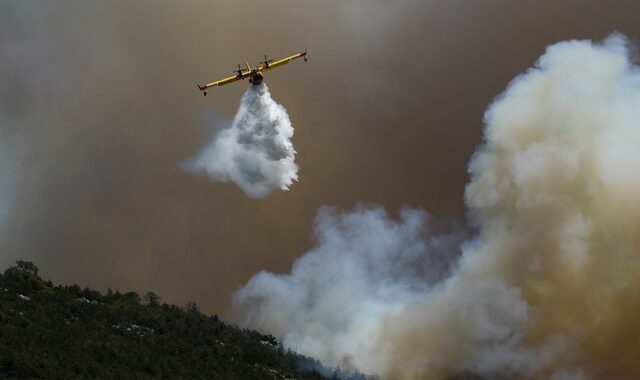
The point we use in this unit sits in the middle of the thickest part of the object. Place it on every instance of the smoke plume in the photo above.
(256, 151)
(549, 288)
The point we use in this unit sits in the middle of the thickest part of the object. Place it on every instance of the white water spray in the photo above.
(256, 151)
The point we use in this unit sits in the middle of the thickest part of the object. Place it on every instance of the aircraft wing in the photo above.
(283, 61)
(224, 81)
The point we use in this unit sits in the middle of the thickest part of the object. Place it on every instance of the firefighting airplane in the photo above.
(255, 75)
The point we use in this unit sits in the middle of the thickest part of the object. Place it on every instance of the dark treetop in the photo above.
(49, 331)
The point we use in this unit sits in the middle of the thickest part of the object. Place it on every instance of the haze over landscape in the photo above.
(453, 159)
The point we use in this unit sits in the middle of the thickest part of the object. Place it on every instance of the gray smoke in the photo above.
(256, 151)
(365, 264)
(5, 181)
(548, 289)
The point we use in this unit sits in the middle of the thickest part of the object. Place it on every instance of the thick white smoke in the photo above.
(364, 266)
(550, 286)
(256, 151)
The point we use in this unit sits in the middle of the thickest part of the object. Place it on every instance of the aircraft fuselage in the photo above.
(256, 77)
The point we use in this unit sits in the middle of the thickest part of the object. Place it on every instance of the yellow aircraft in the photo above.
(255, 75)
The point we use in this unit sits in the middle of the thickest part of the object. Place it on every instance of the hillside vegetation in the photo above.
(55, 331)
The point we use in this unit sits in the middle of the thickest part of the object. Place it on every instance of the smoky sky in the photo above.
(99, 109)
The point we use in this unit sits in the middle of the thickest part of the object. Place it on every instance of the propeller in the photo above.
(266, 61)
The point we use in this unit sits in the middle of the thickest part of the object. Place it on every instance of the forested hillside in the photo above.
(54, 331)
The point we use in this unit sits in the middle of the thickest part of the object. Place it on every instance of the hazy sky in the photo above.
(99, 109)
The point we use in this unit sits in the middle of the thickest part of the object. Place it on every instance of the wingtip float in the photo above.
(254, 74)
